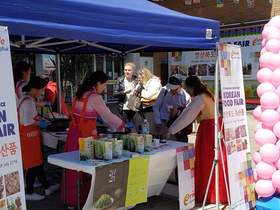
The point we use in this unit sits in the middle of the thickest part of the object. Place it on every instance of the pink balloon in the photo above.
(270, 60)
(275, 77)
(273, 45)
(265, 59)
(273, 35)
(264, 75)
(278, 144)
(275, 21)
(269, 100)
(269, 118)
(277, 164)
(257, 157)
(258, 126)
(277, 91)
(269, 153)
(276, 129)
(256, 178)
(263, 44)
(263, 50)
(278, 109)
(276, 179)
(265, 87)
(265, 136)
(257, 112)
(265, 170)
(264, 188)
(268, 30)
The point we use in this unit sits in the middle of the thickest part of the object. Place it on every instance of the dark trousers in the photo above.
(129, 115)
(32, 174)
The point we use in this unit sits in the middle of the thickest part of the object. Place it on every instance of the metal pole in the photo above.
(64, 185)
(58, 82)
(216, 158)
(94, 63)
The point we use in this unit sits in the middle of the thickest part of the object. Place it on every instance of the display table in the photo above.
(53, 139)
(162, 163)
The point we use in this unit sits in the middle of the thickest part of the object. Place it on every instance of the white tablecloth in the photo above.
(51, 139)
(162, 163)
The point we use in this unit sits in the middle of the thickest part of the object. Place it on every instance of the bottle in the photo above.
(145, 127)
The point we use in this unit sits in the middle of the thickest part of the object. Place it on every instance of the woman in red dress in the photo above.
(202, 109)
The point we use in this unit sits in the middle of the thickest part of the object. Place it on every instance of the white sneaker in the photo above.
(52, 189)
(34, 197)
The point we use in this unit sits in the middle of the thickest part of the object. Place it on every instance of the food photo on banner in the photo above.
(12, 194)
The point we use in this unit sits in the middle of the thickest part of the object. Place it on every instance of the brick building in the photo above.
(241, 23)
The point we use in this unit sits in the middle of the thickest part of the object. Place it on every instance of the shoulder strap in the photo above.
(19, 83)
(21, 102)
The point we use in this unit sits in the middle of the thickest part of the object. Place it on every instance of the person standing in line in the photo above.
(22, 72)
(87, 106)
(169, 104)
(149, 87)
(202, 109)
(125, 89)
(30, 139)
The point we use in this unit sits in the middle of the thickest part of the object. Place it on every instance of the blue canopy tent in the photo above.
(119, 26)
(102, 26)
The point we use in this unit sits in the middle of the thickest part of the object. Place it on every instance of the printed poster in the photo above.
(202, 63)
(241, 182)
(11, 173)
(110, 186)
(185, 163)
(137, 184)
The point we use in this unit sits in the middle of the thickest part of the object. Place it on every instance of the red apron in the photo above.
(30, 140)
(81, 126)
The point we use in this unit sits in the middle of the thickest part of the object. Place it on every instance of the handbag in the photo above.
(133, 102)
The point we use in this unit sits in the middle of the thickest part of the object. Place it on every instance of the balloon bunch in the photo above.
(267, 132)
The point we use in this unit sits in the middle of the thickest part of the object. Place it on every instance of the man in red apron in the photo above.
(30, 139)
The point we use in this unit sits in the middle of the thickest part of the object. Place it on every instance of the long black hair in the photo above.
(197, 85)
(19, 69)
(90, 82)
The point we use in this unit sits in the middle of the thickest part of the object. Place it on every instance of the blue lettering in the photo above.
(3, 116)
(7, 130)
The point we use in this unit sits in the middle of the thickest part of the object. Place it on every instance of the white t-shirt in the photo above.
(128, 85)
(27, 110)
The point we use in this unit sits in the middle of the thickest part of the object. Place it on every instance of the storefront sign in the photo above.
(11, 172)
(241, 182)
(185, 163)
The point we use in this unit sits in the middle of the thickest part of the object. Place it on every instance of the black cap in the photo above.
(36, 83)
(174, 82)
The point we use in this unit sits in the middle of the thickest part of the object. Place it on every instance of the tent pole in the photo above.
(215, 164)
(58, 82)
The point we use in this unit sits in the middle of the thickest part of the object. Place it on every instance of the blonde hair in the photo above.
(132, 65)
(147, 75)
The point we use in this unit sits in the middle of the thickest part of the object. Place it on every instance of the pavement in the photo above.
(162, 202)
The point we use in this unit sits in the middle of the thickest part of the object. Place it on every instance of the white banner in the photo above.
(11, 173)
(202, 63)
(241, 182)
(185, 163)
